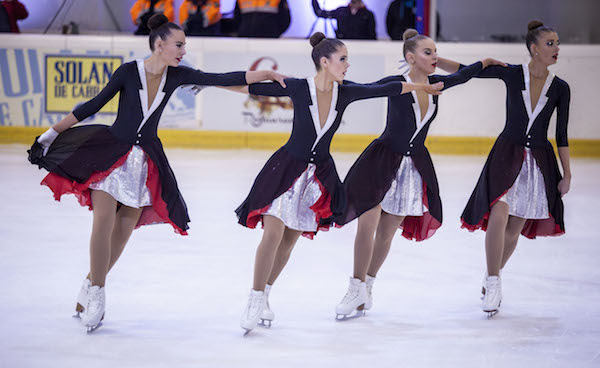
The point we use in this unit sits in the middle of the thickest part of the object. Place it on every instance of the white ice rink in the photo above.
(175, 301)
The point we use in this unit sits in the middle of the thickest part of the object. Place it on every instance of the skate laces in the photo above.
(254, 305)
(351, 294)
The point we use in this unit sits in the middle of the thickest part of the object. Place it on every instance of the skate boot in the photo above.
(253, 311)
(93, 311)
(493, 295)
(483, 283)
(369, 281)
(82, 298)
(267, 316)
(355, 297)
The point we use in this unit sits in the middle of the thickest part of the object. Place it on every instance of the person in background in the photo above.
(200, 17)
(10, 12)
(142, 10)
(262, 18)
(355, 21)
(400, 17)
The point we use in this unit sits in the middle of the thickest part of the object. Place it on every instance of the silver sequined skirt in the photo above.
(127, 183)
(527, 197)
(405, 196)
(293, 206)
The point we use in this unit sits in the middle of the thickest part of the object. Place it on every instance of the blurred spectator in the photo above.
(142, 10)
(400, 17)
(355, 21)
(262, 18)
(10, 12)
(200, 17)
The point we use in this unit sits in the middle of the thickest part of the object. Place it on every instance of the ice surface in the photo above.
(175, 301)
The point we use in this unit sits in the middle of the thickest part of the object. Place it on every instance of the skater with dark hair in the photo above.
(298, 191)
(121, 171)
(520, 188)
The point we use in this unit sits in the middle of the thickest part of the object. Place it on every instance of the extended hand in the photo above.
(434, 89)
(276, 77)
(46, 139)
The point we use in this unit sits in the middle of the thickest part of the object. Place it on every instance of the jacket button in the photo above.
(312, 159)
(314, 152)
(529, 136)
(408, 152)
(527, 144)
(137, 142)
(139, 135)
(410, 145)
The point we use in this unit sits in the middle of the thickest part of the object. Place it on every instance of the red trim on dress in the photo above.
(532, 227)
(321, 208)
(60, 185)
(154, 214)
(420, 228)
(158, 212)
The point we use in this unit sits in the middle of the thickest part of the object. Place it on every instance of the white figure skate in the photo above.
(355, 297)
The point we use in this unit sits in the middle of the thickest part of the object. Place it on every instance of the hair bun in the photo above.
(533, 24)
(157, 20)
(316, 38)
(409, 33)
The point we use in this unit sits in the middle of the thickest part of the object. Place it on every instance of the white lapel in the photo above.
(160, 94)
(542, 100)
(420, 123)
(314, 110)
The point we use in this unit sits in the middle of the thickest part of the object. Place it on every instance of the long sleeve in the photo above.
(114, 85)
(562, 116)
(20, 12)
(357, 92)
(194, 76)
(494, 71)
(461, 76)
(270, 89)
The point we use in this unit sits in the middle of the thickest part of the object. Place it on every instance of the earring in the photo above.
(536, 53)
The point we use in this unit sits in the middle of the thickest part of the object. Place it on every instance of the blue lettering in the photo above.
(26, 104)
(4, 114)
(58, 67)
(35, 71)
(107, 73)
(94, 74)
(21, 73)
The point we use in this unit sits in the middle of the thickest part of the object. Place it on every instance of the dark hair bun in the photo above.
(409, 33)
(157, 20)
(533, 24)
(316, 38)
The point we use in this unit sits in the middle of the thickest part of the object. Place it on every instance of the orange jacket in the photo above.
(261, 6)
(211, 12)
(162, 6)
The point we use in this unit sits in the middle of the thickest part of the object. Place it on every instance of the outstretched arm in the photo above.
(363, 91)
(447, 65)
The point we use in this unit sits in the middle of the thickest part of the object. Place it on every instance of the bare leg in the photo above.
(125, 221)
(105, 208)
(363, 242)
(494, 237)
(511, 236)
(388, 224)
(290, 237)
(265, 253)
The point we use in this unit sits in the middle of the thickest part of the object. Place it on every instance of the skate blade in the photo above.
(77, 315)
(491, 314)
(91, 329)
(346, 317)
(265, 323)
(246, 332)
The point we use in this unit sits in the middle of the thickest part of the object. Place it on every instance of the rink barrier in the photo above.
(272, 141)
